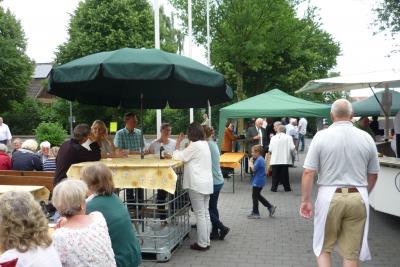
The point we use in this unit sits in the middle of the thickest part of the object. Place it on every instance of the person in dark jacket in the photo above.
(77, 149)
(25, 158)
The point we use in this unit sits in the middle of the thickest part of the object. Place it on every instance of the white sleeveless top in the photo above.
(38, 257)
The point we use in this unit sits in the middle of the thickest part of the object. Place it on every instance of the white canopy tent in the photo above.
(382, 79)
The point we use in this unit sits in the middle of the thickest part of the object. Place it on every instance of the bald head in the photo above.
(259, 122)
(341, 110)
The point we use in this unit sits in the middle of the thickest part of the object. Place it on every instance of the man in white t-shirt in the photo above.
(5, 134)
(164, 140)
(302, 132)
(345, 159)
(154, 148)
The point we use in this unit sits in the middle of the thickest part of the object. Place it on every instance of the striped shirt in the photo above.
(49, 165)
(128, 140)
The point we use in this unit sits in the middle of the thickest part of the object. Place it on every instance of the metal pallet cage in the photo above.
(161, 219)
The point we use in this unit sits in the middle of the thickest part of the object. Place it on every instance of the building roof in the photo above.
(42, 70)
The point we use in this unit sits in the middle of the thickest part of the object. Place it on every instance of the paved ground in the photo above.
(283, 241)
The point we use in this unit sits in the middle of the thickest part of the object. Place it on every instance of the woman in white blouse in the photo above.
(197, 178)
(81, 240)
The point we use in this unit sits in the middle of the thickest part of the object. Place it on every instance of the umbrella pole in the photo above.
(384, 109)
(387, 105)
(141, 126)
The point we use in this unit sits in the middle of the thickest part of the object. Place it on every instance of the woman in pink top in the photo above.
(5, 160)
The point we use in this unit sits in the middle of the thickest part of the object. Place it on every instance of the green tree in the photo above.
(262, 44)
(23, 116)
(15, 66)
(388, 16)
(103, 25)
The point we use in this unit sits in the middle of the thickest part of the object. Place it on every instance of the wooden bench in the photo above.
(10, 177)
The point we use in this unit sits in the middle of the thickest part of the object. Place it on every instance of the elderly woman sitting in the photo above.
(24, 232)
(80, 239)
(126, 247)
(25, 159)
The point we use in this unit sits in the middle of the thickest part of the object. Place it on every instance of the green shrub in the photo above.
(52, 132)
(23, 116)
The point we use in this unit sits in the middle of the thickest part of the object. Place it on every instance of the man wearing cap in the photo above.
(347, 172)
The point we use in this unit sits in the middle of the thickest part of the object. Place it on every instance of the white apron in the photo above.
(325, 195)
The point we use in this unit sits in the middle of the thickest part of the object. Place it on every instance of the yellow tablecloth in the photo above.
(39, 192)
(133, 172)
(231, 160)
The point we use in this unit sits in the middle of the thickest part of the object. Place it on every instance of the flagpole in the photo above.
(157, 46)
(208, 53)
(190, 46)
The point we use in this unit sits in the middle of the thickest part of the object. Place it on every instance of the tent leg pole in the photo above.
(141, 123)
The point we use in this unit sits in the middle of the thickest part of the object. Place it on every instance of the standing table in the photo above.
(232, 160)
(161, 225)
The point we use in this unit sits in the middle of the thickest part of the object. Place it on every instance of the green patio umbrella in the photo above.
(139, 78)
(123, 77)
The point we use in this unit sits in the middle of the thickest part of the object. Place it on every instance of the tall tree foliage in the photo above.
(15, 66)
(261, 44)
(388, 16)
(103, 25)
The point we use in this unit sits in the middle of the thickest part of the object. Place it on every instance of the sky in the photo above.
(45, 23)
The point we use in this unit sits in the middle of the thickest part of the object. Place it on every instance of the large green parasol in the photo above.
(122, 77)
(139, 78)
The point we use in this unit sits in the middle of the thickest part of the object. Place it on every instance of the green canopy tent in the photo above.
(274, 103)
(371, 107)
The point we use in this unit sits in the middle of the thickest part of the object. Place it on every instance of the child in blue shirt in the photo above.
(258, 183)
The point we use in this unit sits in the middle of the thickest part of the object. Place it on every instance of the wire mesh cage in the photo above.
(161, 219)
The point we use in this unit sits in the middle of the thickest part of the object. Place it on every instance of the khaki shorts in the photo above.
(345, 224)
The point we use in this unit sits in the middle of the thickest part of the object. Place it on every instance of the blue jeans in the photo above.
(301, 140)
(213, 208)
